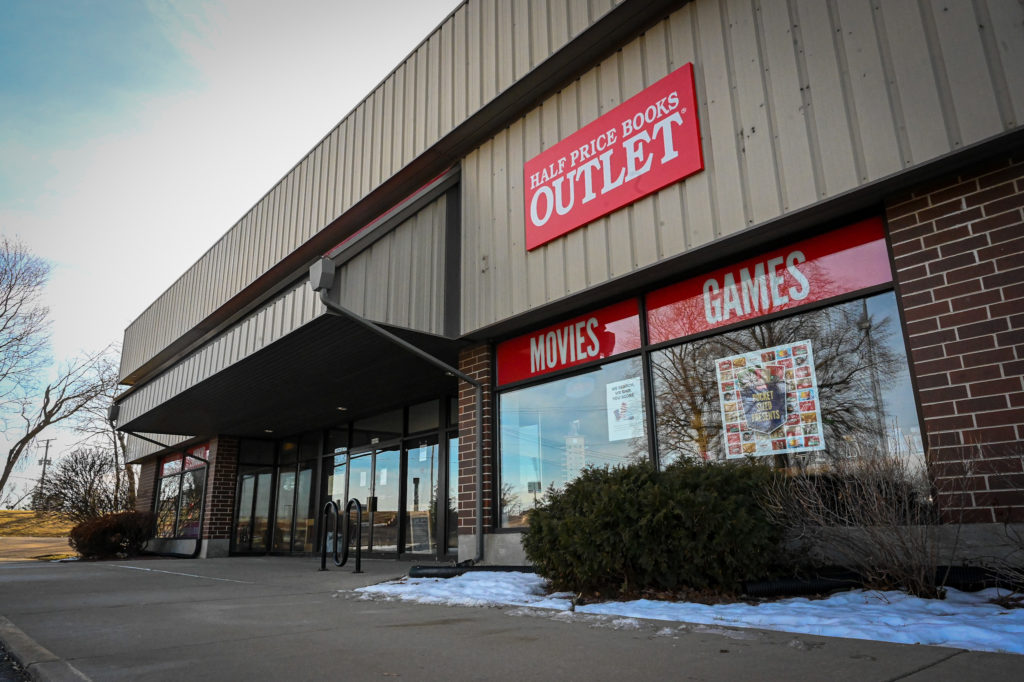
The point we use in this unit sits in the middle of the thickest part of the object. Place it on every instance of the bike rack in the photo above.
(331, 511)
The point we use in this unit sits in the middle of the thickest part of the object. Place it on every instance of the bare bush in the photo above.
(872, 513)
(84, 486)
(1009, 565)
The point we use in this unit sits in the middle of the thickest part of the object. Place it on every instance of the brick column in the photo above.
(219, 505)
(958, 246)
(477, 363)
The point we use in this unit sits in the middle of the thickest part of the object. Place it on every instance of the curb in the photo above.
(38, 661)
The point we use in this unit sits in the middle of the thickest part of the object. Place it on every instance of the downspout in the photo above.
(321, 279)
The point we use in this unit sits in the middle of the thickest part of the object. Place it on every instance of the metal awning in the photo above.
(299, 383)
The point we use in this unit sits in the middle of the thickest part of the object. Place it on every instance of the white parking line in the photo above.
(188, 575)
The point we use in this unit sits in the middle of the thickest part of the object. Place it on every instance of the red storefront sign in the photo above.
(600, 334)
(647, 142)
(816, 269)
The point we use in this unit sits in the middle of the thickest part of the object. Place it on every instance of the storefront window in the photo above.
(180, 500)
(551, 431)
(832, 381)
(191, 503)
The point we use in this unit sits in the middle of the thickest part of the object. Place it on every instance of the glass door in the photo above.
(303, 538)
(386, 482)
(285, 509)
(420, 519)
(252, 513)
(376, 474)
(360, 486)
(452, 496)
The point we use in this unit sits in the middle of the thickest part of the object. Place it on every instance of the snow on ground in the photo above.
(963, 620)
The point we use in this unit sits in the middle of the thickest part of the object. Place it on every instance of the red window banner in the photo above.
(648, 142)
(600, 334)
(845, 260)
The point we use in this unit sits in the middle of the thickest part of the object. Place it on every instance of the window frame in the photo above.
(645, 352)
(559, 375)
(190, 462)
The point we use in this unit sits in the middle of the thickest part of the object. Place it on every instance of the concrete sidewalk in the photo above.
(272, 618)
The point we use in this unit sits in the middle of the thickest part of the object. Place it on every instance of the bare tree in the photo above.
(99, 434)
(24, 328)
(14, 496)
(28, 405)
(78, 384)
(82, 487)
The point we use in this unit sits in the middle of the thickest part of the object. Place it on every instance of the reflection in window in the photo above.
(453, 493)
(191, 504)
(551, 431)
(179, 503)
(421, 485)
(858, 387)
(167, 507)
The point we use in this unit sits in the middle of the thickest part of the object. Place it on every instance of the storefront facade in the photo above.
(651, 231)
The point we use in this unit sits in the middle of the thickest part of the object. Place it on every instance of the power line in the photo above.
(44, 461)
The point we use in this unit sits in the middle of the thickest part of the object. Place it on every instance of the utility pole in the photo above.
(44, 461)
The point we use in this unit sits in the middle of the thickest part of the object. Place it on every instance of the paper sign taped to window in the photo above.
(624, 401)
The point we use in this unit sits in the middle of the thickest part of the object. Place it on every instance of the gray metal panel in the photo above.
(799, 101)
(869, 99)
(967, 69)
(685, 210)
(412, 297)
(718, 125)
(783, 77)
(915, 82)
(399, 280)
(830, 139)
(1005, 47)
(138, 448)
(828, 95)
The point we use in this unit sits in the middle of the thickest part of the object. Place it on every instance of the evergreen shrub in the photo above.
(115, 535)
(625, 530)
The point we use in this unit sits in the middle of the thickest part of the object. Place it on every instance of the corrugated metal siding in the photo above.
(399, 279)
(478, 52)
(137, 449)
(799, 100)
(291, 309)
(411, 296)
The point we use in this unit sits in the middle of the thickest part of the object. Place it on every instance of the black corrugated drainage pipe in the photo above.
(446, 571)
(964, 578)
(797, 586)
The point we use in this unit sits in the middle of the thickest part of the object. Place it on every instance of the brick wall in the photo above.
(146, 486)
(477, 363)
(220, 488)
(958, 246)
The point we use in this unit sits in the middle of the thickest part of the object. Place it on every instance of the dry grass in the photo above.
(30, 524)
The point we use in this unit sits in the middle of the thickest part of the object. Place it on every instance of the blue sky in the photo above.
(71, 71)
(134, 133)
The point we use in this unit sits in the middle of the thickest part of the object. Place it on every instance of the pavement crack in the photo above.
(956, 652)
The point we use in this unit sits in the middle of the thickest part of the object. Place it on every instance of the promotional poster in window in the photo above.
(769, 400)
